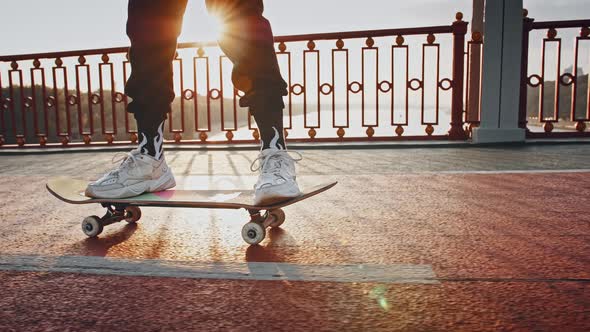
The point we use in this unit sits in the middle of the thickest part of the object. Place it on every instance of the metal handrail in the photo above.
(278, 39)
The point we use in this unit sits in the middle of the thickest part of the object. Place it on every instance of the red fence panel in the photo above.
(553, 103)
(374, 85)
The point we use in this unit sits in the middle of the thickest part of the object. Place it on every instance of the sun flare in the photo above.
(206, 28)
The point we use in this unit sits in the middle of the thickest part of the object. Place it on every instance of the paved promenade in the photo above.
(411, 239)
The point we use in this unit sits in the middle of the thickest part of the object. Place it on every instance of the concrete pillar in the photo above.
(501, 73)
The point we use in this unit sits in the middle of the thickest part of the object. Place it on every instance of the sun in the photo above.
(199, 26)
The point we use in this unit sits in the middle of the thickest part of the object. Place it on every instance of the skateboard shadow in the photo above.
(100, 246)
(273, 250)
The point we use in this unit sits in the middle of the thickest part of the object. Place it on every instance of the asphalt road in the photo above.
(463, 239)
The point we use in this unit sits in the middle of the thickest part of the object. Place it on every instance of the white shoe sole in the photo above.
(166, 181)
(276, 194)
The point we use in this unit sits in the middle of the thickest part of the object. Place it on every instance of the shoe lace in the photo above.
(125, 161)
(273, 161)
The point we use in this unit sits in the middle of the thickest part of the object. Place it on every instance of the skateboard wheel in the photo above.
(132, 214)
(91, 226)
(278, 217)
(253, 233)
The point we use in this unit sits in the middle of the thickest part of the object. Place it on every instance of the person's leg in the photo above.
(248, 42)
(153, 27)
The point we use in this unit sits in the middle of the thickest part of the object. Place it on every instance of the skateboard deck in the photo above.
(72, 191)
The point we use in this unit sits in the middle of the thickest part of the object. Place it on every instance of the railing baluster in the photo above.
(86, 134)
(219, 95)
(430, 44)
(3, 108)
(311, 50)
(19, 135)
(65, 136)
(203, 58)
(340, 49)
(548, 122)
(223, 81)
(109, 134)
(283, 52)
(42, 136)
(365, 86)
(399, 41)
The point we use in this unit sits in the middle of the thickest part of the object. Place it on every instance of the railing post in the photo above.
(522, 110)
(474, 56)
(456, 132)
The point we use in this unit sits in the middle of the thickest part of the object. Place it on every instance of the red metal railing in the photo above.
(75, 98)
(548, 117)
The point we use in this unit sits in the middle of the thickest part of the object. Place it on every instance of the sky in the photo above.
(54, 25)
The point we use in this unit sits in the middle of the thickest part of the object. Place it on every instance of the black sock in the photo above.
(272, 138)
(272, 135)
(269, 118)
(151, 140)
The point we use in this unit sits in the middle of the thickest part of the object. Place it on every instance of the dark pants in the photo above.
(153, 27)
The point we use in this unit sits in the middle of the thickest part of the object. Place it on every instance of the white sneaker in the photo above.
(138, 173)
(277, 180)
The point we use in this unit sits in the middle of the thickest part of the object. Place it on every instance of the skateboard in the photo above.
(128, 209)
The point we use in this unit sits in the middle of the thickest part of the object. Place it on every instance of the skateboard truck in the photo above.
(253, 232)
(94, 225)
